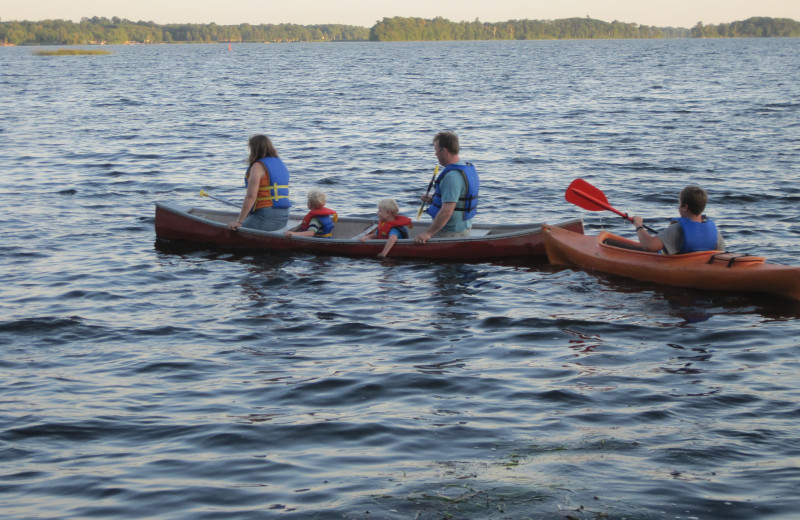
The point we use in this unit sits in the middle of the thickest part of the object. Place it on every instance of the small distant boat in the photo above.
(707, 270)
(485, 243)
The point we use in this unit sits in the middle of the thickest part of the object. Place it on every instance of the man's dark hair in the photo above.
(448, 141)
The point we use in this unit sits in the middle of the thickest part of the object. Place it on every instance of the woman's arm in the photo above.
(257, 172)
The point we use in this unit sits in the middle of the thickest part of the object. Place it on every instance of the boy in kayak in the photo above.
(692, 232)
(318, 222)
(391, 225)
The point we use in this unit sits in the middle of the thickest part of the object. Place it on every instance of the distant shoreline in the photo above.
(117, 31)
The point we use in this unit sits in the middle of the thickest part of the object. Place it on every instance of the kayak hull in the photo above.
(706, 270)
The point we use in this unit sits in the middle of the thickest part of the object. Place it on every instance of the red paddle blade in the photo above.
(583, 194)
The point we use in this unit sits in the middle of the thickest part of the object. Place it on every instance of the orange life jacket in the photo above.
(384, 228)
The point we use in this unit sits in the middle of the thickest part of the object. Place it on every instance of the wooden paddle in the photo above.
(430, 185)
(206, 194)
(583, 194)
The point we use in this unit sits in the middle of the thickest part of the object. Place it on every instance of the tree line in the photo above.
(418, 29)
(100, 30)
(758, 27)
(117, 31)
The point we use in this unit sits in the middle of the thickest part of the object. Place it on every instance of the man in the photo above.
(689, 233)
(455, 198)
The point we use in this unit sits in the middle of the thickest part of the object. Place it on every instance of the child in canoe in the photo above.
(692, 232)
(391, 225)
(318, 222)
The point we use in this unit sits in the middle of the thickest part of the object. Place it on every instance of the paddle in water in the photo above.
(583, 194)
(430, 185)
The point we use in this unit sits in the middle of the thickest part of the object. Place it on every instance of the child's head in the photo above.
(316, 199)
(695, 198)
(388, 209)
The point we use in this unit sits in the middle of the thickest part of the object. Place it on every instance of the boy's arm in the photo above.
(306, 233)
(648, 241)
(370, 236)
(313, 228)
(389, 243)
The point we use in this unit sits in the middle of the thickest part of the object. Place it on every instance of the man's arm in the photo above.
(447, 210)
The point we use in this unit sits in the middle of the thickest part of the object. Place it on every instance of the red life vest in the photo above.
(399, 222)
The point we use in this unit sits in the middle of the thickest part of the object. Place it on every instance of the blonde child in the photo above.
(318, 222)
(391, 225)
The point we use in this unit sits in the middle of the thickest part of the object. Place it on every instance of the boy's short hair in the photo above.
(694, 197)
(316, 199)
(389, 205)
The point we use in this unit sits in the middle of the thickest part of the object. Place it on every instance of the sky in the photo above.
(365, 13)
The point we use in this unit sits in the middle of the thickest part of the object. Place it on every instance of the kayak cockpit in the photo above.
(725, 257)
(622, 244)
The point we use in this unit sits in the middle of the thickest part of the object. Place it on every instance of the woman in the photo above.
(266, 203)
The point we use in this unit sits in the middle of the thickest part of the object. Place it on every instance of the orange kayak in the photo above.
(708, 270)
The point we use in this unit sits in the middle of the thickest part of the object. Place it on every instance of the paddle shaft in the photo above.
(430, 185)
(206, 194)
(604, 205)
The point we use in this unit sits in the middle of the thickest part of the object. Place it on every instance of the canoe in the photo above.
(706, 270)
(486, 242)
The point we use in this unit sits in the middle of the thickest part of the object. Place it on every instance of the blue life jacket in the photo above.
(277, 190)
(470, 201)
(326, 218)
(327, 226)
(697, 236)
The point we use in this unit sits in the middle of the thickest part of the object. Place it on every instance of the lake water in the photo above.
(141, 380)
